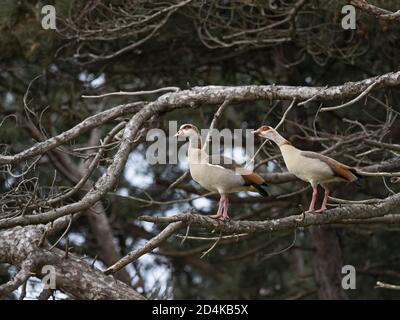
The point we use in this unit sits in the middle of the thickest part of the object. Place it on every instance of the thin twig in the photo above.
(269, 255)
(285, 114)
(266, 140)
(134, 93)
(384, 285)
(364, 93)
(179, 180)
(186, 234)
(214, 123)
(148, 247)
(64, 233)
(212, 247)
(240, 235)
(155, 202)
(343, 201)
(378, 174)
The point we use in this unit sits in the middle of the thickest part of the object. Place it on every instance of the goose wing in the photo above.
(338, 169)
(251, 179)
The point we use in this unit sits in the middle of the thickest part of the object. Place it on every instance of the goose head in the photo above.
(266, 132)
(187, 131)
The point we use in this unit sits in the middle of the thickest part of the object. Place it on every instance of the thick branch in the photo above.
(20, 246)
(218, 94)
(337, 215)
(22, 276)
(376, 11)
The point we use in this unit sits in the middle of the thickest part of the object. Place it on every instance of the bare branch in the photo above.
(165, 103)
(214, 122)
(349, 103)
(376, 11)
(135, 93)
(285, 114)
(84, 126)
(213, 95)
(21, 277)
(179, 180)
(148, 247)
(382, 145)
(384, 285)
(21, 247)
(360, 212)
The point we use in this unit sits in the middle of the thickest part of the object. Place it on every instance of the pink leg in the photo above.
(323, 207)
(220, 208)
(225, 208)
(313, 200)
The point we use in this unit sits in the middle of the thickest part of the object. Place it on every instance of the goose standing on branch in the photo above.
(309, 166)
(221, 177)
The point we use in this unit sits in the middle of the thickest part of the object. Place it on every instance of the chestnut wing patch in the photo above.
(338, 169)
(251, 179)
(256, 183)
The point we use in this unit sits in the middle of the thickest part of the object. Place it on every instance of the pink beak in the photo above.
(177, 134)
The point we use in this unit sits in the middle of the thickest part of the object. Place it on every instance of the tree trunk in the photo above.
(327, 263)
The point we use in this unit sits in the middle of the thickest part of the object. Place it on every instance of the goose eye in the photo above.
(266, 128)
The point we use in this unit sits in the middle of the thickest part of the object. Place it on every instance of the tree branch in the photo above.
(168, 102)
(331, 216)
(84, 126)
(136, 93)
(380, 284)
(214, 123)
(148, 247)
(20, 278)
(20, 246)
(376, 11)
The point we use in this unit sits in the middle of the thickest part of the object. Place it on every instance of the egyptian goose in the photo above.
(309, 166)
(217, 173)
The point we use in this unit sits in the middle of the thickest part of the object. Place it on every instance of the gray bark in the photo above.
(359, 213)
(20, 246)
